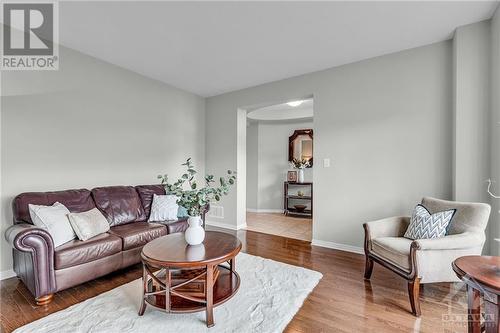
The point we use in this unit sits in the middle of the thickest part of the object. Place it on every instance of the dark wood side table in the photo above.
(189, 278)
(481, 274)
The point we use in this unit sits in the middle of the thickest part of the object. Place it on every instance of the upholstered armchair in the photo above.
(426, 260)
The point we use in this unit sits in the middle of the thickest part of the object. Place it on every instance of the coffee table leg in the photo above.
(232, 264)
(210, 296)
(474, 310)
(144, 290)
(168, 278)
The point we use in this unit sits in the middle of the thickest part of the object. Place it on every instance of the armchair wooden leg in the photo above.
(44, 300)
(414, 292)
(368, 268)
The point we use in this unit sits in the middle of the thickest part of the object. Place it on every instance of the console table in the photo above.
(304, 199)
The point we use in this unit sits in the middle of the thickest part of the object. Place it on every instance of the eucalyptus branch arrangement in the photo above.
(300, 164)
(195, 199)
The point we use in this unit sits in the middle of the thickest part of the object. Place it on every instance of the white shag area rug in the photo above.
(269, 296)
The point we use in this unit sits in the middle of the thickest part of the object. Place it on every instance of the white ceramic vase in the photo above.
(195, 234)
(301, 176)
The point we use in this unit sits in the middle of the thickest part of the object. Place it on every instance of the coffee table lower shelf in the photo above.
(226, 284)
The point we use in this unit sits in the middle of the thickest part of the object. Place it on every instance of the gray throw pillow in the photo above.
(88, 224)
(424, 225)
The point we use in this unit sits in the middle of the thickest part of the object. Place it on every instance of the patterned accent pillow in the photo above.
(163, 208)
(424, 225)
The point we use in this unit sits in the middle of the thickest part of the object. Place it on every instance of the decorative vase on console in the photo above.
(300, 177)
(195, 199)
(300, 165)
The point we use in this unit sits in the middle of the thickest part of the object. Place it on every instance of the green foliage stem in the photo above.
(193, 197)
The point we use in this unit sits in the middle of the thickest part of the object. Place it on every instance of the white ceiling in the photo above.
(209, 48)
(283, 111)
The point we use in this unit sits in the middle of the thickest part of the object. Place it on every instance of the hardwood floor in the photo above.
(280, 225)
(341, 302)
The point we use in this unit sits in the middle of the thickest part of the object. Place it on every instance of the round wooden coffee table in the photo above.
(180, 278)
(481, 274)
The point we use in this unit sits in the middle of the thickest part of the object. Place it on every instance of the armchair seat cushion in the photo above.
(395, 250)
(138, 233)
(78, 252)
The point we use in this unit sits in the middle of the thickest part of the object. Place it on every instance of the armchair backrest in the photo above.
(470, 216)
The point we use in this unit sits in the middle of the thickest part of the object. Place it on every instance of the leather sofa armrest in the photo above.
(464, 240)
(33, 258)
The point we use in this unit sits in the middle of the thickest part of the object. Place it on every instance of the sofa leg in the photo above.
(44, 300)
(414, 292)
(368, 268)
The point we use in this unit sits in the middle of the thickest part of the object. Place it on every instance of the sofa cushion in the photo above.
(119, 204)
(78, 252)
(175, 226)
(395, 250)
(146, 194)
(75, 200)
(138, 233)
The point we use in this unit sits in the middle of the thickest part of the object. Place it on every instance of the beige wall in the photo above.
(92, 124)
(385, 123)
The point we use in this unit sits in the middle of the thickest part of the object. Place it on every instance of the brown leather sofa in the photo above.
(46, 270)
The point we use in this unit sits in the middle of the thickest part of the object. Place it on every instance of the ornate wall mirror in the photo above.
(300, 145)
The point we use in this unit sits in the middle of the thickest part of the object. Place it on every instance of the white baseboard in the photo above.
(338, 246)
(253, 210)
(7, 274)
(225, 225)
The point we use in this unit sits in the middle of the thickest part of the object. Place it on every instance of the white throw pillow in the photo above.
(164, 208)
(88, 224)
(55, 220)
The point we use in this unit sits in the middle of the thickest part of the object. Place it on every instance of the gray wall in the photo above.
(385, 123)
(477, 118)
(271, 162)
(92, 124)
(471, 69)
(252, 164)
(495, 130)
(471, 72)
